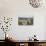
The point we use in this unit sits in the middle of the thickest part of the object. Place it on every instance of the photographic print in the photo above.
(25, 21)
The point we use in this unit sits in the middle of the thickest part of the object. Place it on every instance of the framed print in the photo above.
(25, 21)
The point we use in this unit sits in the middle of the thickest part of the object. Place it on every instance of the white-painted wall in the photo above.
(22, 8)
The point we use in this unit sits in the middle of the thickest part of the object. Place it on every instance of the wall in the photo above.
(45, 28)
(22, 8)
